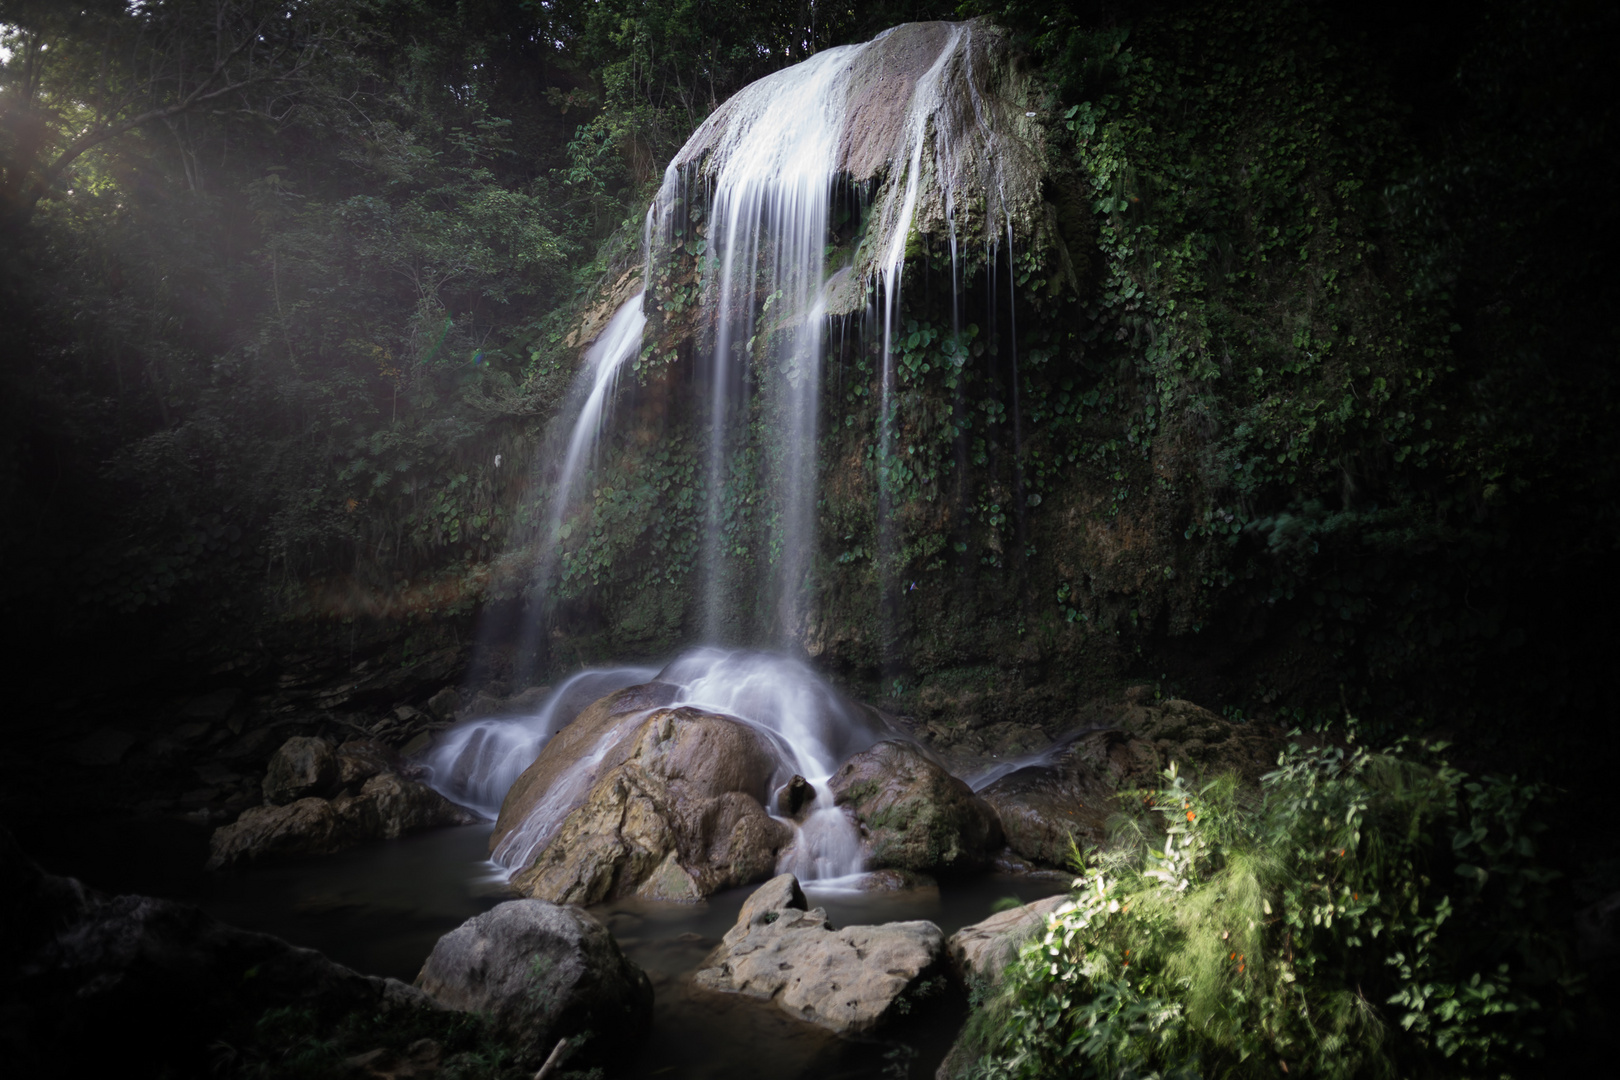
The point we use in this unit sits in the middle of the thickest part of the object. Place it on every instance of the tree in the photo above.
(78, 78)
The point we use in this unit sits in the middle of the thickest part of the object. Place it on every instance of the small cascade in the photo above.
(475, 763)
(815, 727)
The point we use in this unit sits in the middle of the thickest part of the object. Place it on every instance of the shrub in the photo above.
(1365, 914)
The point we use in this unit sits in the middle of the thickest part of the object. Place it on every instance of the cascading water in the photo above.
(476, 763)
(905, 121)
(920, 129)
(819, 728)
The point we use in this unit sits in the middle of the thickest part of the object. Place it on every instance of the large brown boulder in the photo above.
(674, 810)
(913, 814)
(851, 981)
(569, 763)
(543, 972)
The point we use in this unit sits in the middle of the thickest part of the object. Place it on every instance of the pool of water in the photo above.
(381, 908)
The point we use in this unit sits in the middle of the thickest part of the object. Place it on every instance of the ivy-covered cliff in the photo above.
(1294, 392)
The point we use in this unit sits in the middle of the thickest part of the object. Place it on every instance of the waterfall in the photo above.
(919, 131)
(907, 124)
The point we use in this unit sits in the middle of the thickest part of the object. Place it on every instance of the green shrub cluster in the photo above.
(1366, 914)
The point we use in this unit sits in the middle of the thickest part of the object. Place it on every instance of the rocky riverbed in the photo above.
(320, 825)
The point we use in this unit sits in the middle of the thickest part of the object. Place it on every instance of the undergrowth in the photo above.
(1365, 915)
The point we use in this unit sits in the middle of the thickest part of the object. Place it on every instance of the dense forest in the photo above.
(1295, 397)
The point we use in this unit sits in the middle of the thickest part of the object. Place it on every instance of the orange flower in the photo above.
(1189, 815)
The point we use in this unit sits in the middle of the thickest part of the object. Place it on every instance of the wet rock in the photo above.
(304, 766)
(794, 796)
(131, 985)
(913, 814)
(1050, 809)
(851, 981)
(1049, 813)
(894, 881)
(358, 760)
(983, 951)
(309, 826)
(544, 972)
(673, 811)
(387, 807)
(982, 145)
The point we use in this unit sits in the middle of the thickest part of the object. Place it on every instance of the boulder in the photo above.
(136, 986)
(983, 951)
(558, 766)
(358, 760)
(793, 796)
(387, 807)
(850, 981)
(671, 809)
(304, 766)
(544, 972)
(913, 814)
(1049, 812)
(1049, 809)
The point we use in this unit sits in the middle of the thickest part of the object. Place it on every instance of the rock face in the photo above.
(135, 986)
(1067, 800)
(982, 951)
(913, 814)
(951, 86)
(850, 981)
(370, 801)
(674, 809)
(544, 972)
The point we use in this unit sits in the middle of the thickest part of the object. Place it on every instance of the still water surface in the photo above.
(381, 908)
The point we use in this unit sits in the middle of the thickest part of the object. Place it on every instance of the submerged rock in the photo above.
(544, 972)
(132, 985)
(674, 810)
(851, 981)
(983, 951)
(913, 814)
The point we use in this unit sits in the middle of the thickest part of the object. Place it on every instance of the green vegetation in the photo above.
(1309, 355)
(1369, 914)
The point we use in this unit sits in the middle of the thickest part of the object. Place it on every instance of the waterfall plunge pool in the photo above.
(381, 908)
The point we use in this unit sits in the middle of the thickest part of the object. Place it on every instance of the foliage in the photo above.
(1376, 914)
